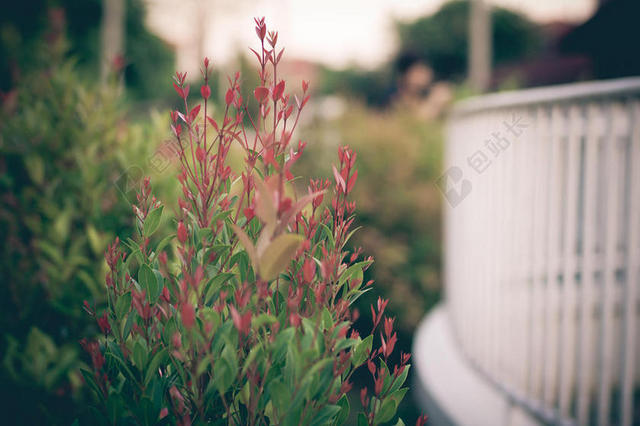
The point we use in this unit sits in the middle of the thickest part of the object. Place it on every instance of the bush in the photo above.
(242, 316)
(63, 144)
(399, 158)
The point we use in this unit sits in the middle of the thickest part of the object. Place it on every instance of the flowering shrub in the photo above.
(243, 315)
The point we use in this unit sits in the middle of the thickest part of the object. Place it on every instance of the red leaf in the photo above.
(352, 181)
(339, 180)
(200, 154)
(255, 53)
(242, 322)
(261, 93)
(188, 315)
(295, 320)
(213, 123)
(288, 111)
(194, 113)
(388, 326)
(278, 90)
(179, 90)
(163, 413)
(229, 96)
(249, 213)
(205, 91)
(182, 232)
(308, 270)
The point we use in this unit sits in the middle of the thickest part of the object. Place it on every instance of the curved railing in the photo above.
(543, 247)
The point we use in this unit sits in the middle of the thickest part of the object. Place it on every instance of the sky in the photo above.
(334, 32)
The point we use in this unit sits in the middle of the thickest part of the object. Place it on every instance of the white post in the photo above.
(113, 33)
(480, 50)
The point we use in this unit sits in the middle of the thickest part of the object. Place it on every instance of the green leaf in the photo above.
(328, 235)
(219, 250)
(214, 285)
(387, 411)
(352, 272)
(115, 354)
(280, 396)
(95, 241)
(253, 353)
(355, 294)
(398, 395)
(325, 415)
(362, 419)
(158, 359)
(35, 168)
(361, 350)
(203, 365)
(123, 304)
(400, 380)
(128, 325)
(90, 380)
(348, 237)
(221, 376)
(229, 355)
(149, 283)
(399, 423)
(139, 354)
(278, 254)
(327, 319)
(152, 221)
(263, 319)
(343, 403)
(283, 340)
(247, 244)
(316, 368)
(164, 242)
(344, 344)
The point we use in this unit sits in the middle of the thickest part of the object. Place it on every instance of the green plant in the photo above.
(243, 315)
(63, 144)
(399, 157)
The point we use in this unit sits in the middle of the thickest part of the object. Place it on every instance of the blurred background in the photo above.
(85, 90)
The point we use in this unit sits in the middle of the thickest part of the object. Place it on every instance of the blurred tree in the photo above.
(66, 179)
(373, 87)
(148, 60)
(609, 39)
(441, 40)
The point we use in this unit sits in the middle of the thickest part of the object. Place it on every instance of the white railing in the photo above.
(543, 247)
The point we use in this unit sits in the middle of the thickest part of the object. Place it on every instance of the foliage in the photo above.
(24, 24)
(398, 205)
(375, 87)
(63, 144)
(441, 40)
(242, 316)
